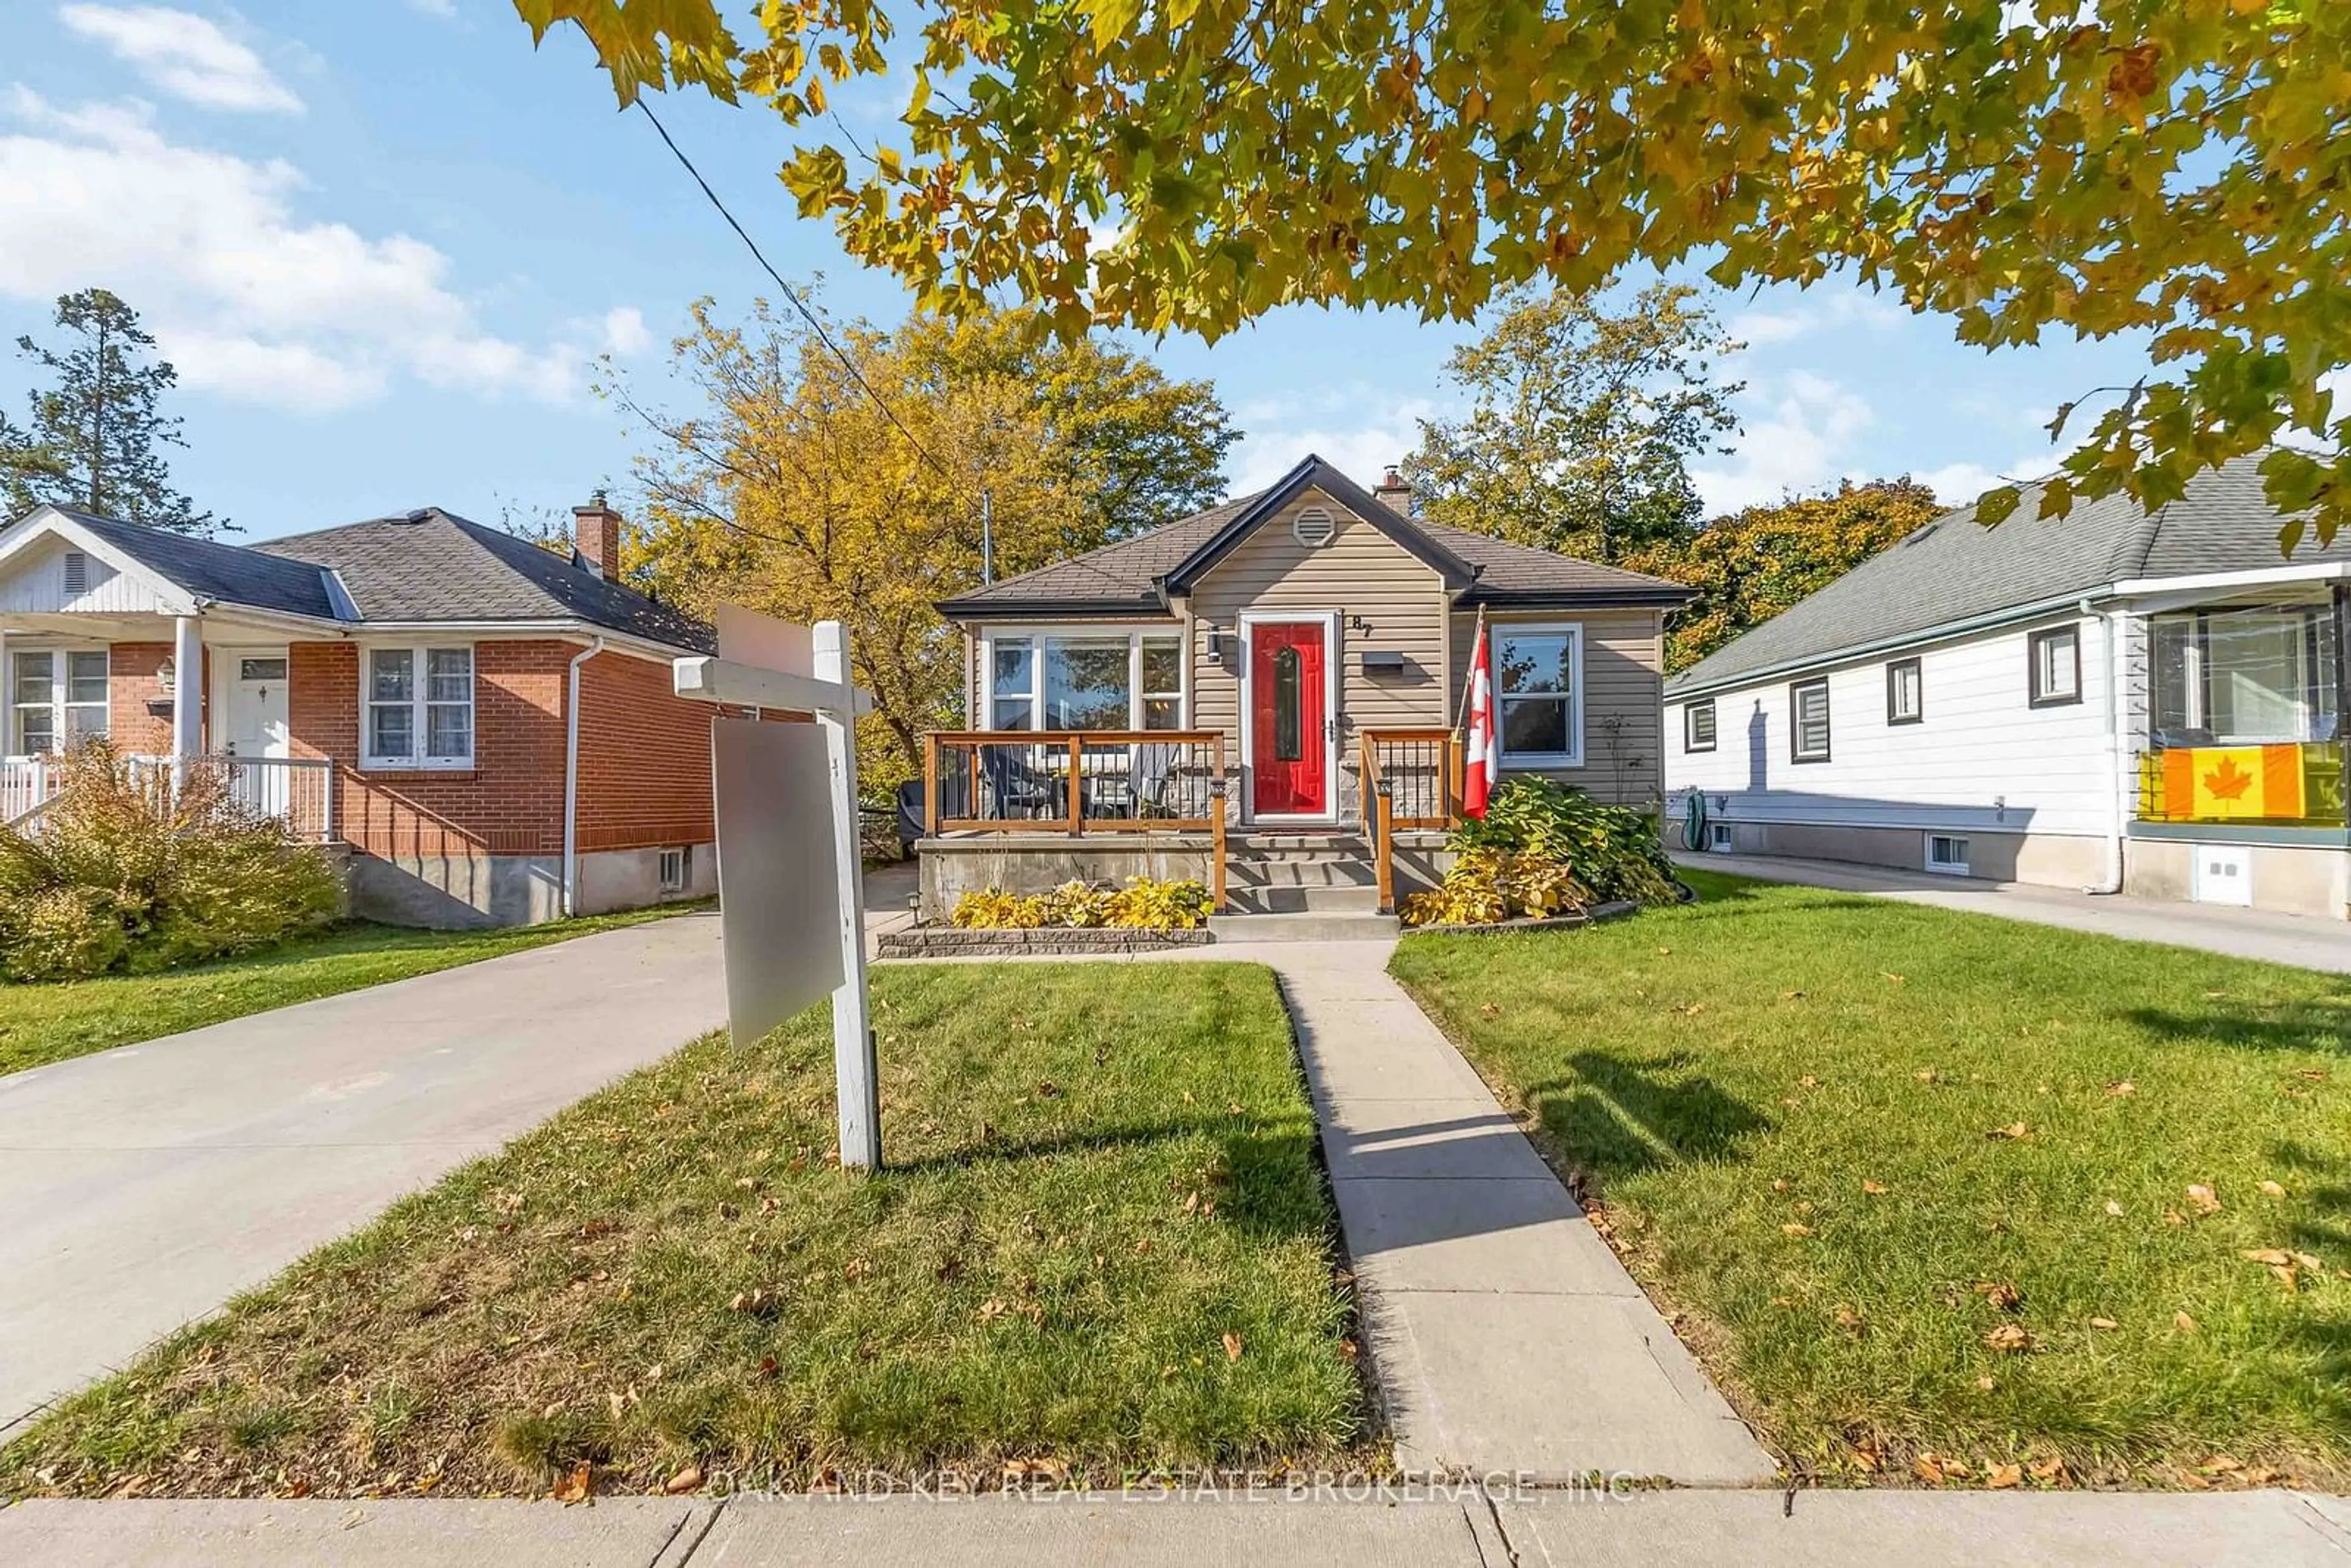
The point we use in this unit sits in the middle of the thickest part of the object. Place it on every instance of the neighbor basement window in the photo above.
(1808, 720)
(418, 707)
(676, 867)
(1946, 854)
(1698, 726)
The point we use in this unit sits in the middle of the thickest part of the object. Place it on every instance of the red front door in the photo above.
(1289, 758)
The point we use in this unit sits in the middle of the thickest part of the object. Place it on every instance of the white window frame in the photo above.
(1895, 715)
(2037, 692)
(1948, 867)
(419, 704)
(1690, 742)
(674, 870)
(1036, 638)
(1540, 760)
(59, 705)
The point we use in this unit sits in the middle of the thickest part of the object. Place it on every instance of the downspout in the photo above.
(571, 778)
(2114, 780)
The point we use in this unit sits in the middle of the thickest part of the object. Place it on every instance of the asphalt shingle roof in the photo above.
(432, 566)
(1127, 574)
(1953, 571)
(210, 570)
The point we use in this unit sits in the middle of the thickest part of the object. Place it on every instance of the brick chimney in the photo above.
(596, 531)
(1395, 493)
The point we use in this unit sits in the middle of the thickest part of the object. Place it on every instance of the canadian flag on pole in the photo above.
(1485, 758)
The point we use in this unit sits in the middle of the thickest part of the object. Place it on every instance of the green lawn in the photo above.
(1839, 1132)
(49, 1023)
(1103, 1240)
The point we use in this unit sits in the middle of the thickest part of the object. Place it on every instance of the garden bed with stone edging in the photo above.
(1614, 910)
(1044, 941)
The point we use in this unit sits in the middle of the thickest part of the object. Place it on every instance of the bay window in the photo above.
(1538, 681)
(418, 707)
(57, 699)
(2260, 674)
(1086, 680)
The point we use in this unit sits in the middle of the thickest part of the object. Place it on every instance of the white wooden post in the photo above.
(187, 695)
(855, 1071)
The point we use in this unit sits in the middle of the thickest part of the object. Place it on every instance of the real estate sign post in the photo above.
(790, 869)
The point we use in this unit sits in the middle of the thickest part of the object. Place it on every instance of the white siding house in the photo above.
(2105, 701)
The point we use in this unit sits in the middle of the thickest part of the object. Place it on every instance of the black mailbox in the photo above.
(1376, 662)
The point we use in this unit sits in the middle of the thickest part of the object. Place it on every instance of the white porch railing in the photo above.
(300, 790)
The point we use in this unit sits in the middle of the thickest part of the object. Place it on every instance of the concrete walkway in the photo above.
(1503, 1333)
(2306, 941)
(145, 1186)
(1811, 1530)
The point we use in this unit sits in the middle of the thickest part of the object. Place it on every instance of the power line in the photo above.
(792, 294)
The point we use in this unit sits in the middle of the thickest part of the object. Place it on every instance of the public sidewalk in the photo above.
(1809, 1529)
(2308, 942)
(1504, 1335)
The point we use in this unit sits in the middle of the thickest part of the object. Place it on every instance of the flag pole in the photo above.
(1461, 714)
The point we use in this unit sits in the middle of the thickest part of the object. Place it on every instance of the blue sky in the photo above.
(383, 241)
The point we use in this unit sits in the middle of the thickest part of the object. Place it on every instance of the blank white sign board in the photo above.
(778, 879)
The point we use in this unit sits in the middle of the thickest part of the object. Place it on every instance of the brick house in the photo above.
(487, 727)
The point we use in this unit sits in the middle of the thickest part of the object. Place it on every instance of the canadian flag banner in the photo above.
(1485, 756)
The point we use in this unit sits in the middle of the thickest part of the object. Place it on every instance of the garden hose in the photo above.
(1694, 822)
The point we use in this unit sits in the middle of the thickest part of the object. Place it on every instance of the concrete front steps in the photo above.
(1302, 887)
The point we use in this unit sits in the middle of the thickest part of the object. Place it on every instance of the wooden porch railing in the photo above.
(1412, 781)
(1077, 782)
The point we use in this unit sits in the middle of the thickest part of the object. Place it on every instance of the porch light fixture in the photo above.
(1219, 648)
(167, 678)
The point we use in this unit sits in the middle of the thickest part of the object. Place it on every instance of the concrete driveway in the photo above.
(142, 1186)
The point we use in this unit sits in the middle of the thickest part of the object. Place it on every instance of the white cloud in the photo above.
(1386, 429)
(444, 9)
(1855, 308)
(183, 54)
(624, 332)
(1958, 483)
(1798, 429)
(251, 300)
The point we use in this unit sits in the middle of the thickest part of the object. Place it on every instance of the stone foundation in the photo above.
(947, 942)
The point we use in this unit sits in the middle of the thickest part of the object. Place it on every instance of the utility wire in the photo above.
(792, 294)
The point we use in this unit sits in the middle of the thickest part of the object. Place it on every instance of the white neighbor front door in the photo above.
(249, 688)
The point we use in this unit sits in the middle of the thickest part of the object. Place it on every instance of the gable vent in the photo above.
(77, 573)
(1313, 527)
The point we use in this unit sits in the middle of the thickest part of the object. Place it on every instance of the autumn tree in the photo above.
(1750, 566)
(1583, 419)
(97, 439)
(2175, 168)
(809, 488)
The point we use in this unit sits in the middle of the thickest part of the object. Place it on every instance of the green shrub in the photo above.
(117, 875)
(1613, 851)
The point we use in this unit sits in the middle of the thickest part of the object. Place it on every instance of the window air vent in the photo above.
(1313, 527)
(77, 573)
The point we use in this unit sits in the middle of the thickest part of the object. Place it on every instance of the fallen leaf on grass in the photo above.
(2206, 1200)
(575, 1485)
(1796, 1229)
(990, 1310)
(1232, 1346)
(2272, 1189)
(1808, 1081)
(1779, 1184)
(2173, 1217)
(2103, 1324)
(1925, 1075)
(2014, 1132)
(1986, 1383)
(1891, 977)
(686, 1481)
(2000, 1294)
(2120, 1088)
(1866, 1457)
(2050, 1471)
(2183, 1322)
(1851, 1322)
(2003, 1477)
(2114, 1208)
(2009, 1339)
(1875, 1189)
(1487, 1010)
(1935, 1469)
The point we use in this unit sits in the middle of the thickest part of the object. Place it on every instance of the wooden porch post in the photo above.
(1216, 829)
(1076, 784)
(931, 785)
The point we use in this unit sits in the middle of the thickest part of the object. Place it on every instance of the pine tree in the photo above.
(96, 441)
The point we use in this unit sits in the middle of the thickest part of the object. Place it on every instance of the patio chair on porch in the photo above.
(1016, 790)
